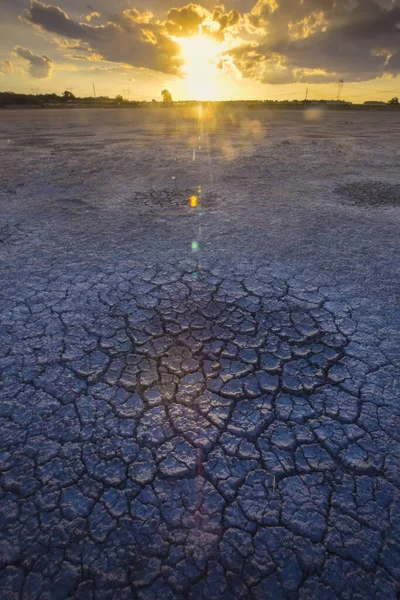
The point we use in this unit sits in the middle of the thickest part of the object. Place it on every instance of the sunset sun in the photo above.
(201, 66)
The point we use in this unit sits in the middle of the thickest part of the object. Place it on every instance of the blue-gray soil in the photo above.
(199, 402)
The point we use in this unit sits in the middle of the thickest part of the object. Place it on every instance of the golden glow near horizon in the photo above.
(201, 55)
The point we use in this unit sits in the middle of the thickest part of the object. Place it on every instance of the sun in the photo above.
(199, 51)
(201, 66)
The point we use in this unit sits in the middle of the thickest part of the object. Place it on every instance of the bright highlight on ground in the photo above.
(201, 57)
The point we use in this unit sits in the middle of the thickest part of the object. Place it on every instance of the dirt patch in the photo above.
(371, 193)
(34, 141)
(173, 198)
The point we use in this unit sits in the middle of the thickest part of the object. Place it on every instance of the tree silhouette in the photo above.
(68, 96)
(394, 100)
(166, 96)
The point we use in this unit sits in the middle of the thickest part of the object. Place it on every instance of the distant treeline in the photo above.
(67, 99)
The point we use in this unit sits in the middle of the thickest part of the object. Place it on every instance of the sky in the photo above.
(243, 49)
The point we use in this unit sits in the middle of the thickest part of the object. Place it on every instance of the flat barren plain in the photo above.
(199, 354)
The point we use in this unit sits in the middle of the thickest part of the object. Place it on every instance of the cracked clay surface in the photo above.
(198, 400)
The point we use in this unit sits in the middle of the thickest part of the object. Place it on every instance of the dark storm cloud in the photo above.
(322, 40)
(39, 66)
(126, 38)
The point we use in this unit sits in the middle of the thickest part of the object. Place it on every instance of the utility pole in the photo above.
(306, 98)
(340, 88)
(94, 91)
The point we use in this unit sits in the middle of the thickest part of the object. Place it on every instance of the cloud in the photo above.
(226, 20)
(135, 37)
(110, 69)
(127, 38)
(193, 19)
(6, 68)
(321, 41)
(186, 21)
(276, 42)
(88, 57)
(52, 18)
(39, 66)
(393, 66)
(92, 15)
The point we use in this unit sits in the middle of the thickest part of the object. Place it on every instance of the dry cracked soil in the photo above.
(199, 398)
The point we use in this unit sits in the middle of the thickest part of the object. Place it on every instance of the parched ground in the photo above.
(199, 402)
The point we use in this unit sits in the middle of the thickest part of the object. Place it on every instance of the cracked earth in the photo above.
(199, 399)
